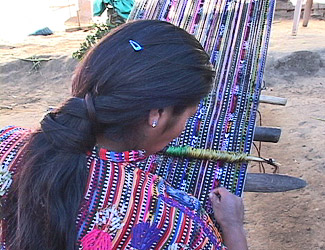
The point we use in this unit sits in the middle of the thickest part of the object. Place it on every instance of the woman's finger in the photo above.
(220, 191)
(214, 198)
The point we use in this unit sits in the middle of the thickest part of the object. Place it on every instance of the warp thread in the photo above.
(235, 33)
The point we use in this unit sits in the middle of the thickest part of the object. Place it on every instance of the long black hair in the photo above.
(121, 86)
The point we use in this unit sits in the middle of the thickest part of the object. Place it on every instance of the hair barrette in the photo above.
(136, 46)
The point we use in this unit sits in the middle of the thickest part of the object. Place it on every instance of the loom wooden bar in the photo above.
(296, 17)
(268, 183)
(307, 12)
(267, 134)
(273, 100)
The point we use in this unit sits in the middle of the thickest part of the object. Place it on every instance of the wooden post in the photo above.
(307, 12)
(85, 12)
(296, 17)
(273, 100)
(266, 183)
(267, 134)
(78, 18)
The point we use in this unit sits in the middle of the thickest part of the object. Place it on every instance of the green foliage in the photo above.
(100, 30)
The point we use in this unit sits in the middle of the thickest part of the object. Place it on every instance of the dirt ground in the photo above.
(295, 70)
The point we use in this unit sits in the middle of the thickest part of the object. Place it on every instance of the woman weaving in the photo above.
(75, 181)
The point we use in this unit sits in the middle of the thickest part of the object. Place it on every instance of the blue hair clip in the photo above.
(135, 45)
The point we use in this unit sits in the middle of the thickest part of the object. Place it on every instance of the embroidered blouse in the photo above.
(125, 207)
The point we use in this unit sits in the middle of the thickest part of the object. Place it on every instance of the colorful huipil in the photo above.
(124, 207)
(235, 33)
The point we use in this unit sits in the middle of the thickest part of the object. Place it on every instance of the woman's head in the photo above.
(171, 70)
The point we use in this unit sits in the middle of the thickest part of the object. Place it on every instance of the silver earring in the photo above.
(154, 124)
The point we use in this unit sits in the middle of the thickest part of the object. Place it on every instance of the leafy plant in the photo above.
(100, 30)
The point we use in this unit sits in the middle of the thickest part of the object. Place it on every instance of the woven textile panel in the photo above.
(236, 34)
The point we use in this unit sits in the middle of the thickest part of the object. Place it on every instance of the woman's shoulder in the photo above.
(12, 140)
(11, 134)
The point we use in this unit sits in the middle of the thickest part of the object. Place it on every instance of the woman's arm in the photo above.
(229, 213)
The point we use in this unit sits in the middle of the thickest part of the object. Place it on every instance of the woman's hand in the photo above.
(228, 208)
(229, 212)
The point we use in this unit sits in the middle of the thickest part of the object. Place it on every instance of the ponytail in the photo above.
(50, 186)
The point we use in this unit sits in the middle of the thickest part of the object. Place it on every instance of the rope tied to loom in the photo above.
(214, 155)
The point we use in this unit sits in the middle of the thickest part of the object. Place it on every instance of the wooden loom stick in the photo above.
(267, 134)
(267, 183)
(273, 100)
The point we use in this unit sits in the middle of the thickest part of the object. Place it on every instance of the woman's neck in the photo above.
(116, 146)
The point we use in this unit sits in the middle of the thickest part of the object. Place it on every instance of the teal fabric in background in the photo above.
(122, 7)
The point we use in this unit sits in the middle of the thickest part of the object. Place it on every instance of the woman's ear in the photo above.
(154, 116)
(160, 117)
